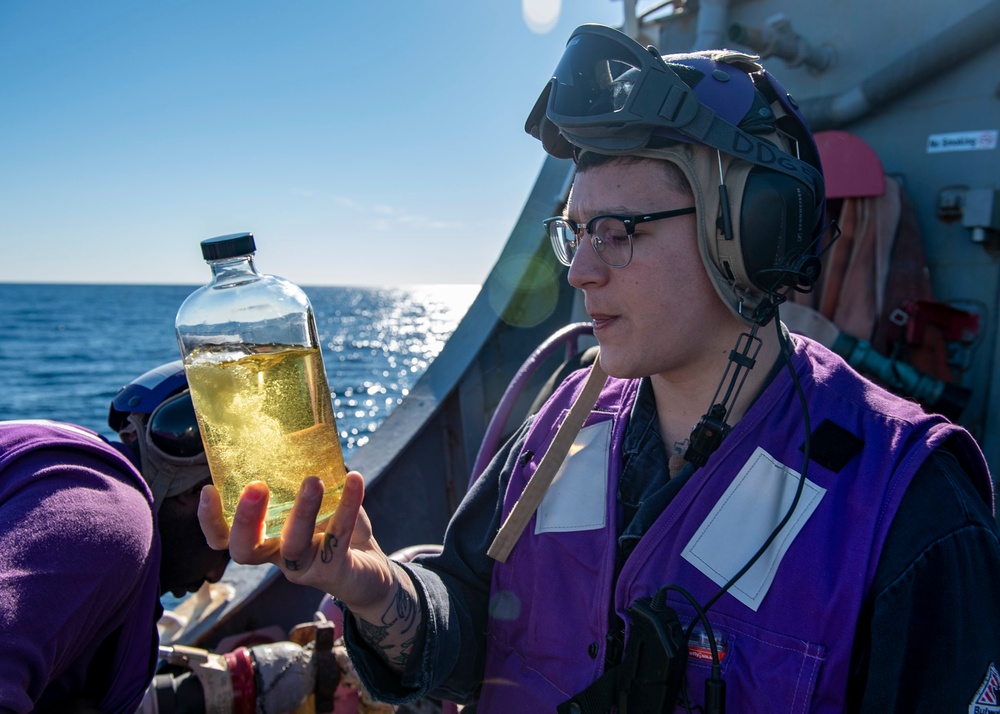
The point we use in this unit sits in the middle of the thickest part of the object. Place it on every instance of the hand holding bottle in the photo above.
(340, 557)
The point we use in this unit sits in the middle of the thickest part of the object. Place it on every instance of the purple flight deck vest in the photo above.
(134, 658)
(785, 629)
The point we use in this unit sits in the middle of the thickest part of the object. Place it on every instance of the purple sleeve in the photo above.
(77, 551)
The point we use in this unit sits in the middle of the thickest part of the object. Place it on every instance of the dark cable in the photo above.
(786, 353)
(714, 682)
(715, 685)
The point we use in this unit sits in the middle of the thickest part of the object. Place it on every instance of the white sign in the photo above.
(962, 141)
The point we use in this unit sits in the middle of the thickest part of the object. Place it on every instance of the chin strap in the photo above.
(540, 481)
(712, 428)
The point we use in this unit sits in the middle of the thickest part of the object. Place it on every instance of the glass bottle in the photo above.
(255, 369)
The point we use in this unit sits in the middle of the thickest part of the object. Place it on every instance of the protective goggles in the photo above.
(611, 95)
(171, 455)
(173, 428)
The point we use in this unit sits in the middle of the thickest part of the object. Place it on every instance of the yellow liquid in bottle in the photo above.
(268, 417)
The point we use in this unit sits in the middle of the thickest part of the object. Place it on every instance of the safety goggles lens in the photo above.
(173, 427)
(596, 76)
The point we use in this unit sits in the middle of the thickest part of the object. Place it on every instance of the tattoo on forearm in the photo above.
(399, 617)
(404, 652)
(372, 634)
(329, 543)
(403, 610)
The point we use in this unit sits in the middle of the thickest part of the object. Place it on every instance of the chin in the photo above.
(619, 368)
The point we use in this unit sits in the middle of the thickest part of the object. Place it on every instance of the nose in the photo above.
(587, 269)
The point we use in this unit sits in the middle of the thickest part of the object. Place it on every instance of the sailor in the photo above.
(92, 532)
(731, 516)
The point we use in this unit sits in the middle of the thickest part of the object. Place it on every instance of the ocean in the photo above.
(65, 350)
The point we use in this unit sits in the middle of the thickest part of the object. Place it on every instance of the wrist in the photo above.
(391, 627)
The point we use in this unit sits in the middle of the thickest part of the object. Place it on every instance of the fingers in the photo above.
(301, 547)
(352, 495)
(297, 550)
(213, 524)
(247, 543)
(344, 520)
(300, 543)
(358, 572)
(336, 538)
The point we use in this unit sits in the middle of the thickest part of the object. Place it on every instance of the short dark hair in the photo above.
(675, 178)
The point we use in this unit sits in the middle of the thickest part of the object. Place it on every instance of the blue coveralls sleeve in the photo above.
(929, 637)
(453, 586)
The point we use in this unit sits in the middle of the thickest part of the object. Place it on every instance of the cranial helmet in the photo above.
(728, 125)
(153, 414)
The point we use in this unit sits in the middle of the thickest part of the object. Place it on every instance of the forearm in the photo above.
(391, 628)
(451, 595)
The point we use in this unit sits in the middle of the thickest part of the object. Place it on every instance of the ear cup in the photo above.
(778, 222)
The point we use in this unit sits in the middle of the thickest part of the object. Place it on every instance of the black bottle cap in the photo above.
(228, 246)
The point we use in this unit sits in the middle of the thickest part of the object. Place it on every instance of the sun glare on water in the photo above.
(541, 15)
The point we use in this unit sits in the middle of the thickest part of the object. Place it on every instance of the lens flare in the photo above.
(541, 15)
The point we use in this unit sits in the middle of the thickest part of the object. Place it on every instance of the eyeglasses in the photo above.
(610, 234)
(173, 427)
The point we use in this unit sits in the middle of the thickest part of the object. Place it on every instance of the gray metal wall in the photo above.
(903, 70)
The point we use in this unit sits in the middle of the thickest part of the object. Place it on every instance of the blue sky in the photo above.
(363, 143)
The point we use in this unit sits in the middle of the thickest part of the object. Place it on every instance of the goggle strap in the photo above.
(680, 105)
(708, 129)
(680, 109)
(702, 126)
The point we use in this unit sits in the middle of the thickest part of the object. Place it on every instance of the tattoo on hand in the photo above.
(291, 564)
(329, 543)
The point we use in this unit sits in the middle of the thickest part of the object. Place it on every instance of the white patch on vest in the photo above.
(986, 700)
(578, 495)
(743, 519)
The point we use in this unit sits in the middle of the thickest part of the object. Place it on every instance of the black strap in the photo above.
(652, 672)
(598, 698)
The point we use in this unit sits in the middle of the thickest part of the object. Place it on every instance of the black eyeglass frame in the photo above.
(629, 221)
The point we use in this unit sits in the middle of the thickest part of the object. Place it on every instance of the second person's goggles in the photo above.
(173, 427)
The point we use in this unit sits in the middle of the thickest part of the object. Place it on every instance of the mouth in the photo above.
(601, 320)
